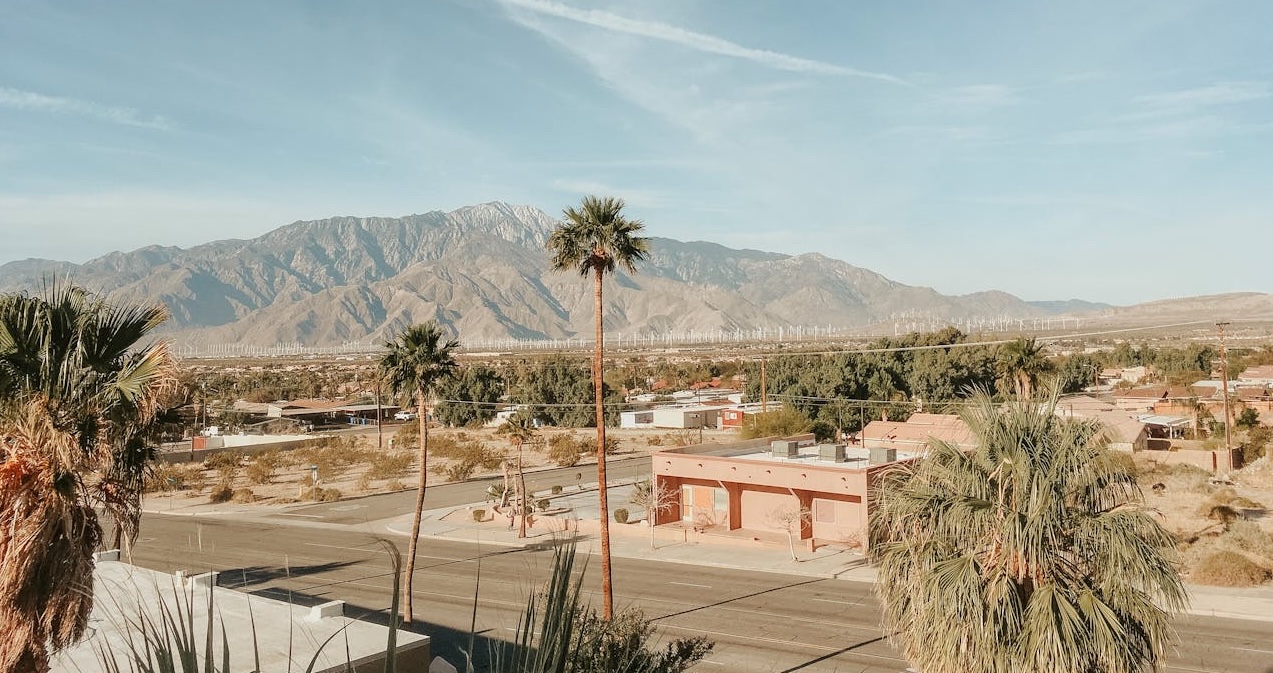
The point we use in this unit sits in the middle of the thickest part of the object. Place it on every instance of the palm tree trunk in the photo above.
(521, 490)
(408, 576)
(607, 591)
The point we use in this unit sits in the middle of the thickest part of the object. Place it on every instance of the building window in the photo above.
(824, 511)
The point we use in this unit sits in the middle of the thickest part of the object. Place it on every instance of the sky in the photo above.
(1108, 151)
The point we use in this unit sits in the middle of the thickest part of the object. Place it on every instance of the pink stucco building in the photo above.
(749, 485)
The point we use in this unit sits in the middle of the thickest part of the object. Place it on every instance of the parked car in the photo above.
(404, 416)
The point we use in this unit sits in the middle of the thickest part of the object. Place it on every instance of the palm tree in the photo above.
(413, 365)
(595, 239)
(78, 402)
(520, 428)
(1031, 552)
(1021, 362)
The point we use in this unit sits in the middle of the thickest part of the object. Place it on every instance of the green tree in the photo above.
(470, 397)
(78, 401)
(520, 429)
(412, 366)
(595, 239)
(1031, 552)
(1021, 363)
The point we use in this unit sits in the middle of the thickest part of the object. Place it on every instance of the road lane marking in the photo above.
(829, 600)
(308, 516)
(336, 546)
(687, 584)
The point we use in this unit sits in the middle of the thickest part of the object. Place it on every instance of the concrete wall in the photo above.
(247, 449)
(1212, 461)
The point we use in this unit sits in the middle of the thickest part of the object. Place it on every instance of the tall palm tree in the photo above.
(1030, 552)
(520, 429)
(1021, 362)
(78, 401)
(595, 239)
(412, 366)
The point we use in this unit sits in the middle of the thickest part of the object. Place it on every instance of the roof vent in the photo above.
(784, 448)
(880, 456)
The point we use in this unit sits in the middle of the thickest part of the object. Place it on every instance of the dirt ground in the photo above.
(1206, 514)
(349, 465)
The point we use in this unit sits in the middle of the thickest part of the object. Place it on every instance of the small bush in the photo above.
(243, 495)
(165, 477)
(223, 460)
(621, 515)
(542, 504)
(479, 515)
(364, 482)
(1222, 513)
(390, 465)
(1243, 502)
(459, 471)
(556, 489)
(1248, 536)
(564, 450)
(395, 485)
(222, 493)
(588, 446)
(262, 469)
(1229, 569)
(324, 494)
(654, 440)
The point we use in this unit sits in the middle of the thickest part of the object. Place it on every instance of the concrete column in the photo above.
(735, 492)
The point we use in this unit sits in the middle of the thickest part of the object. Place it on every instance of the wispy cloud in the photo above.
(699, 41)
(980, 96)
(30, 100)
(644, 198)
(1223, 93)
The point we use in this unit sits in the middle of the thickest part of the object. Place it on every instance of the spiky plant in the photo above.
(1030, 552)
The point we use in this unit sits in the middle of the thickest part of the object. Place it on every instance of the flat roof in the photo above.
(856, 458)
(122, 593)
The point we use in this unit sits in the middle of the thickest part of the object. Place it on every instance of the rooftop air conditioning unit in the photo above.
(831, 452)
(880, 456)
(784, 449)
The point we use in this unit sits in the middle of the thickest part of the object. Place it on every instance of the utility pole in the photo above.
(1224, 381)
(380, 436)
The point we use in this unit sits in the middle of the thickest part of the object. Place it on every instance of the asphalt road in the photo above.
(761, 622)
(384, 506)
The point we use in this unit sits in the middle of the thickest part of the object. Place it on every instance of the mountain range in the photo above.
(483, 272)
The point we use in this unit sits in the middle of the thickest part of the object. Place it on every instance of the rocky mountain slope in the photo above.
(482, 270)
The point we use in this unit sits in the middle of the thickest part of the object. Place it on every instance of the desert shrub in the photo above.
(390, 465)
(395, 485)
(556, 489)
(1229, 569)
(542, 504)
(329, 494)
(588, 445)
(226, 464)
(1248, 536)
(479, 515)
(621, 515)
(1222, 513)
(564, 450)
(243, 495)
(683, 437)
(332, 455)
(1256, 444)
(166, 477)
(1243, 502)
(1223, 495)
(654, 440)
(459, 470)
(262, 469)
(364, 482)
(782, 423)
(408, 434)
(221, 493)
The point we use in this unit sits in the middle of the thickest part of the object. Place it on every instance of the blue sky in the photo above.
(1108, 151)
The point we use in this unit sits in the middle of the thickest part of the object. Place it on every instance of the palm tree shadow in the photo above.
(832, 655)
(735, 598)
(250, 576)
